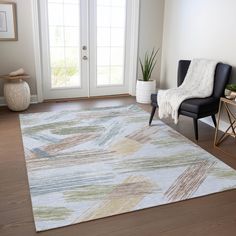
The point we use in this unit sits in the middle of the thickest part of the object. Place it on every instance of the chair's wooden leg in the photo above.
(152, 115)
(214, 120)
(195, 123)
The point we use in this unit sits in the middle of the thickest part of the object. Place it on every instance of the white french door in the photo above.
(108, 47)
(64, 27)
(85, 47)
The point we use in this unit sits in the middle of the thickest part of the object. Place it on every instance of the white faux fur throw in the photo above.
(198, 83)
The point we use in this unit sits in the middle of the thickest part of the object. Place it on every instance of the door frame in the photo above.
(133, 49)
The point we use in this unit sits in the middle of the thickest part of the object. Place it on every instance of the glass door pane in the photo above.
(64, 43)
(110, 41)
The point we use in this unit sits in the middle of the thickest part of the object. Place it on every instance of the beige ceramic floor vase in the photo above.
(17, 95)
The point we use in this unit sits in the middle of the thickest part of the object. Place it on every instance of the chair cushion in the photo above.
(195, 105)
(200, 105)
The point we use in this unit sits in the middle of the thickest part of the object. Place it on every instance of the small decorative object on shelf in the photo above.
(230, 91)
(16, 90)
(231, 130)
(146, 86)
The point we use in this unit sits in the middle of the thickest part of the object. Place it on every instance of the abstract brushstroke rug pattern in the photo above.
(85, 165)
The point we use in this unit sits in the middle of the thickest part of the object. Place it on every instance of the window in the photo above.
(64, 37)
(111, 25)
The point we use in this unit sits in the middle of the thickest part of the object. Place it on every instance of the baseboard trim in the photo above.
(33, 100)
(223, 125)
(86, 98)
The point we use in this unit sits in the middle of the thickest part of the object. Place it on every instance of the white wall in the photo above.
(151, 31)
(197, 29)
(14, 55)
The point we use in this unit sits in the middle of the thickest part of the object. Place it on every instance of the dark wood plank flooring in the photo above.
(210, 215)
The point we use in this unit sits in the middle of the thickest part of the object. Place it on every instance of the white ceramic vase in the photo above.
(17, 95)
(144, 89)
(227, 92)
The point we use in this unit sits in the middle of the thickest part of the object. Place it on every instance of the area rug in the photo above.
(86, 165)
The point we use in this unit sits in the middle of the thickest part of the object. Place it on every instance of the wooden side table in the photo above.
(16, 92)
(231, 130)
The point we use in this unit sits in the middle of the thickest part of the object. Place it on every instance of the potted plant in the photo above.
(146, 86)
(230, 91)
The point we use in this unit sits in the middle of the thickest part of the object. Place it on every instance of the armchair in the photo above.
(198, 108)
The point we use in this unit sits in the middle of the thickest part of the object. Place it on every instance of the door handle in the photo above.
(85, 58)
(84, 48)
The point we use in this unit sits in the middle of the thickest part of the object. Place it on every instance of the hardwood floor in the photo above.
(210, 215)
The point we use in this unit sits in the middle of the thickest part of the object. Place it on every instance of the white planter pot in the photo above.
(227, 92)
(144, 89)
